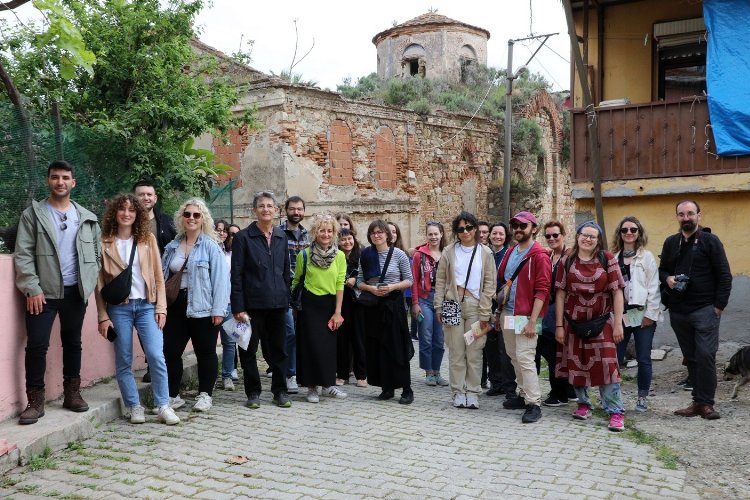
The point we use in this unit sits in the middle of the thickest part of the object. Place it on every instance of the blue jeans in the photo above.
(291, 345)
(610, 395)
(644, 339)
(228, 349)
(138, 313)
(431, 337)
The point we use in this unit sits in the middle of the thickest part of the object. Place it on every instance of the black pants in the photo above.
(698, 335)
(269, 329)
(500, 370)
(350, 342)
(559, 387)
(203, 334)
(72, 309)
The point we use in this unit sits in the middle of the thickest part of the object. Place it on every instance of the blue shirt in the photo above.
(513, 261)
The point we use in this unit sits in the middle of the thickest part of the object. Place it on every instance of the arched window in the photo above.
(340, 154)
(414, 55)
(468, 61)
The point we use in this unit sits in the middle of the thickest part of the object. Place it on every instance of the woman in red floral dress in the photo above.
(589, 286)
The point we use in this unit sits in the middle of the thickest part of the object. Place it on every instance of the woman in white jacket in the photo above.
(642, 299)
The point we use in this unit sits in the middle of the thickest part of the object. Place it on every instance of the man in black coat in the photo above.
(162, 226)
(696, 283)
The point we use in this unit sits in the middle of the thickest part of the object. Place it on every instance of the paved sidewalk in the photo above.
(354, 448)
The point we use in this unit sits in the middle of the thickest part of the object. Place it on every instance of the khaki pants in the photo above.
(522, 351)
(465, 362)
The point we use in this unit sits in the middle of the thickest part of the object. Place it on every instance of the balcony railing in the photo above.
(657, 139)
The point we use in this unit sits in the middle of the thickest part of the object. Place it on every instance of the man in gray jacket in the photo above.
(57, 260)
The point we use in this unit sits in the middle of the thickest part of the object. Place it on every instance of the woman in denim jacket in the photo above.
(642, 299)
(201, 303)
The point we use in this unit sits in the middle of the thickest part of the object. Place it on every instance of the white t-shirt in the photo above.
(463, 256)
(138, 287)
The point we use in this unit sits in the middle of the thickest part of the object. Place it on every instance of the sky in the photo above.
(342, 31)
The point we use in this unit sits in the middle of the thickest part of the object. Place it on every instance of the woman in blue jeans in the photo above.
(228, 345)
(642, 299)
(126, 224)
(424, 269)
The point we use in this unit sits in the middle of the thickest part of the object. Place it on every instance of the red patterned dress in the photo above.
(588, 287)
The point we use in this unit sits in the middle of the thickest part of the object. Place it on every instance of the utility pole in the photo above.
(507, 154)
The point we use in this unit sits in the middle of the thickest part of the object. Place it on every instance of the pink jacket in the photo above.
(421, 268)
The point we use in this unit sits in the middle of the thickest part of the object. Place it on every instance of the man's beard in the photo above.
(294, 219)
(524, 236)
(688, 226)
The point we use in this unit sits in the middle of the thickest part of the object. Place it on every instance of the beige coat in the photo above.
(445, 283)
(150, 262)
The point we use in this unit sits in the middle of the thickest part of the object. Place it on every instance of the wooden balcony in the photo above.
(656, 139)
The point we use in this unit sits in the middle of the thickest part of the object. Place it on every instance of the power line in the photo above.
(556, 53)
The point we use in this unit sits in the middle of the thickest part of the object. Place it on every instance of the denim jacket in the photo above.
(208, 285)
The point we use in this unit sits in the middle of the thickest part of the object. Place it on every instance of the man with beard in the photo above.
(527, 269)
(297, 241)
(696, 282)
(162, 226)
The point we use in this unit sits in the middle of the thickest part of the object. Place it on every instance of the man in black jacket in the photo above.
(696, 283)
(162, 226)
(260, 293)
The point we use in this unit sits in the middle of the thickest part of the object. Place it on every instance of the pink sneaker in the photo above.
(582, 412)
(616, 422)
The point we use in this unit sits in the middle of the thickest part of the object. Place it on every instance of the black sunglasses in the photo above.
(194, 215)
(624, 230)
(552, 236)
(467, 228)
(516, 225)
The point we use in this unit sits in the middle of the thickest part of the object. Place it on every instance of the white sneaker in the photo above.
(334, 392)
(235, 375)
(166, 414)
(312, 395)
(176, 402)
(137, 415)
(472, 401)
(203, 402)
(459, 400)
(228, 384)
(268, 374)
(291, 385)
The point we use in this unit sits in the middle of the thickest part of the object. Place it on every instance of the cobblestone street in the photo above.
(353, 448)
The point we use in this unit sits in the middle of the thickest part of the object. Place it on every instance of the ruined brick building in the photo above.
(371, 160)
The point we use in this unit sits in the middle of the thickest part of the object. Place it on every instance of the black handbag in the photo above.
(590, 328)
(367, 299)
(296, 301)
(116, 291)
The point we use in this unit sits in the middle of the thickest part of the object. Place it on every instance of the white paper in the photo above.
(469, 337)
(633, 317)
(240, 331)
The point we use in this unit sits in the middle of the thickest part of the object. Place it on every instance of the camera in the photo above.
(681, 283)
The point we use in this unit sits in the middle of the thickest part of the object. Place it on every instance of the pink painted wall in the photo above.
(97, 362)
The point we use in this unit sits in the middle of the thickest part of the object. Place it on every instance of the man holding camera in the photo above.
(696, 282)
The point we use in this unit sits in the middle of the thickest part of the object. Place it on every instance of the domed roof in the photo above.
(428, 20)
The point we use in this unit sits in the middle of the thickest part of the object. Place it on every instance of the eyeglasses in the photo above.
(63, 225)
(377, 233)
(624, 230)
(467, 228)
(516, 225)
(194, 215)
(552, 236)
(589, 237)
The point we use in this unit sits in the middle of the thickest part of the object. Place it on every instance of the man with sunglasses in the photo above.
(57, 258)
(528, 270)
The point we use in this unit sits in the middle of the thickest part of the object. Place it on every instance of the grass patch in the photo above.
(171, 434)
(7, 482)
(28, 488)
(668, 457)
(148, 400)
(129, 482)
(72, 496)
(106, 380)
(76, 446)
(628, 378)
(638, 436)
(157, 488)
(151, 442)
(43, 460)
(76, 470)
(190, 384)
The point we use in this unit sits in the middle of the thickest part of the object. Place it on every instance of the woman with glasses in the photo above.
(350, 340)
(466, 278)
(228, 345)
(560, 389)
(589, 287)
(387, 343)
(126, 225)
(424, 270)
(642, 299)
(201, 304)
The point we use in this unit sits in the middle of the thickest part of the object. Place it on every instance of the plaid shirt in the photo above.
(294, 245)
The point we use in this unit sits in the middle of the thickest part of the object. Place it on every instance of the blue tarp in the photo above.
(728, 74)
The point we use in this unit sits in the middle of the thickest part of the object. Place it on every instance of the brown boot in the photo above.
(691, 411)
(35, 407)
(708, 412)
(73, 400)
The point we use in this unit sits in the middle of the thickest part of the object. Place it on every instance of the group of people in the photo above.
(495, 297)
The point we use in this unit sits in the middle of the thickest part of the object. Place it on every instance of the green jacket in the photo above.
(36, 256)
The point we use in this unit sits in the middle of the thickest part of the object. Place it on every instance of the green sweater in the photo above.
(319, 281)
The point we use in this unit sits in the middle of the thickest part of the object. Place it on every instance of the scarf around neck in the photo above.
(322, 257)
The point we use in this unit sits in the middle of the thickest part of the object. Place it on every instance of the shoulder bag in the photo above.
(117, 291)
(172, 285)
(503, 296)
(450, 311)
(296, 301)
(368, 299)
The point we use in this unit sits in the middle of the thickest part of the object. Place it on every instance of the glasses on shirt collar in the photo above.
(63, 225)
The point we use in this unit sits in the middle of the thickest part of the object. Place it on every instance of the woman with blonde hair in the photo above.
(127, 241)
(321, 269)
(201, 304)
